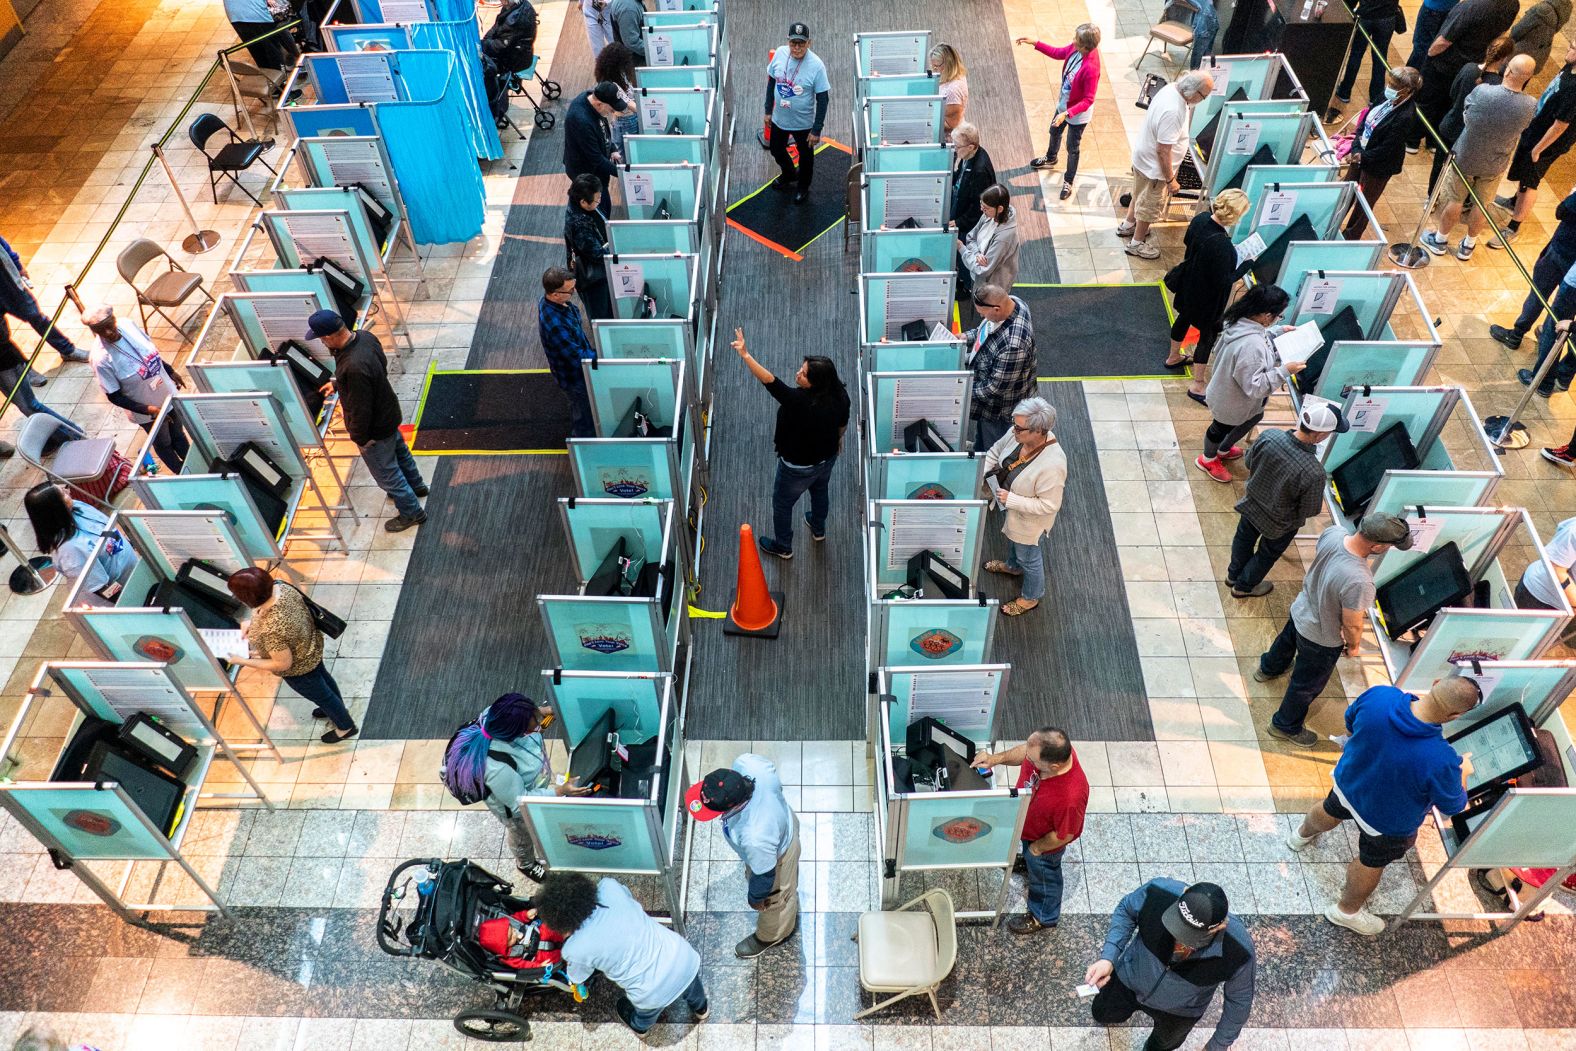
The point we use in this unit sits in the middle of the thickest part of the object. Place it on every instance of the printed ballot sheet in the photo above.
(914, 297)
(956, 698)
(932, 528)
(938, 399)
(1300, 344)
(225, 643)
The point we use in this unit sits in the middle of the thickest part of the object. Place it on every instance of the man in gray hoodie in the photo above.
(628, 16)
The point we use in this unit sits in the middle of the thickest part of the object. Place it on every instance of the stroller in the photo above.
(439, 922)
(511, 44)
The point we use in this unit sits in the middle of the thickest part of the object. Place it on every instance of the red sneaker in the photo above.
(1214, 468)
(1234, 453)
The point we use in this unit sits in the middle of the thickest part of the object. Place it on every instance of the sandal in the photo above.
(1018, 607)
(996, 565)
(1181, 363)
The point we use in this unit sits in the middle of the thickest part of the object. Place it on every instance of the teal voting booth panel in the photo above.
(620, 388)
(953, 830)
(1240, 138)
(1527, 828)
(595, 835)
(1355, 363)
(169, 539)
(667, 149)
(668, 19)
(919, 158)
(891, 251)
(325, 120)
(925, 476)
(1458, 636)
(305, 282)
(944, 633)
(1261, 180)
(900, 399)
(299, 237)
(207, 492)
(219, 424)
(924, 84)
(1477, 531)
(346, 160)
(595, 526)
(1400, 491)
(675, 111)
(662, 192)
(675, 77)
(582, 698)
(668, 279)
(1319, 297)
(154, 635)
(1303, 256)
(627, 468)
(888, 302)
(1254, 75)
(690, 45)
(270, 377)
(894, 198)
(1539, 687)
(87, 822)
(653, 236)
(605, 634)
(964, 698)
(264, 320)
(1204, 113)
(923, 356)
(1258, 178)
(1421, 411)
(952, 529)
(652, 339)
(906, 121)
(336, 199)
(1324, 204)
(893, 54)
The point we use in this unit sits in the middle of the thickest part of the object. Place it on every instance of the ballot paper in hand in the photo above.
(1252, 248)
(225, 643)
(1300, 344)
(939, 333)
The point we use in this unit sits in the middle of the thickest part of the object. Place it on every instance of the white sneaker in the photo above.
(1141, 249)
(1362, 921)
(1298, 842)
(1124, 229)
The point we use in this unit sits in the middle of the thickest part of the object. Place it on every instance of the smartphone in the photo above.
(1086, 991)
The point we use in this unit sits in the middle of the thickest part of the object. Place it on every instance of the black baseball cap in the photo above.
(798, 31)
(607, 94)
(323, 323)
(1190, 917)
(716, 794)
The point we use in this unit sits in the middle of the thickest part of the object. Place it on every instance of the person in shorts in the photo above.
(1546, 140)
(1162, 143)
(1395, 766)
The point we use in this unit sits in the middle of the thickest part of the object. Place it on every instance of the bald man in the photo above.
(1396, 765)
(1492, 123)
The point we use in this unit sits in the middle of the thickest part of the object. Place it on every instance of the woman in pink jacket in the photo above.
(1080, 79)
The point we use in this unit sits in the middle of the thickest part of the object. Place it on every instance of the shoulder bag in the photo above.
(329, 623)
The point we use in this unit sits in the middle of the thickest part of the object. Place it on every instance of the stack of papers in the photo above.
(225, 643)
(1300, 344)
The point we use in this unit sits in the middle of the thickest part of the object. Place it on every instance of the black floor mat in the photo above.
(772, 218)
(491, 411)
(1099, 331)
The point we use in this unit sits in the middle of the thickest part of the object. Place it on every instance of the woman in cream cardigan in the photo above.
(1025, 473)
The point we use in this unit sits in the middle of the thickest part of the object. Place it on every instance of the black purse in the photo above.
(329, 623)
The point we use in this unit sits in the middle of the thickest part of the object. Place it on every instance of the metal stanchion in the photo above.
(1410, 253)
(199, 240)
(28, 578)
(1505, 432)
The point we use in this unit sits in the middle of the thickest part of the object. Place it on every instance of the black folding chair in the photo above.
(237, 155)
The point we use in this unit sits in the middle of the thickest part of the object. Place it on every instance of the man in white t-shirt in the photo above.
(1537, 589)
(1161, 145)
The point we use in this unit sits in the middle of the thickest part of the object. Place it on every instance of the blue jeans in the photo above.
(170, 443)
(1380, 30)
(987, 432)
(1563, 306)
(1424, 30)
(1314, 664)
(1206, 24)
(394, 469)
(1030, 559)
(791, 484)
(581, 422)
(642, 1021)
(319, 687)
(20, 304)
(28, 404)
(1045, 884)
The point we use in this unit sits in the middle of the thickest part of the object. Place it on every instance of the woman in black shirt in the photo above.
(1201, 284)
(811, 418)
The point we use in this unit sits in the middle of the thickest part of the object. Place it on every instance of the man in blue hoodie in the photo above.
(1395, 766)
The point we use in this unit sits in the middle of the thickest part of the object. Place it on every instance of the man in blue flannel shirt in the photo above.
(566, 346)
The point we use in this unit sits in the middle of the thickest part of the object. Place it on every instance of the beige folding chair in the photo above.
(855, 202)
(72, 463)
(1175, 29)
(908, 951)
(171, 288)
(258, 84)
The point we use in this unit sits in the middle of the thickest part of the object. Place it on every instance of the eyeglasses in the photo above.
(982, 303)
(1021, 430)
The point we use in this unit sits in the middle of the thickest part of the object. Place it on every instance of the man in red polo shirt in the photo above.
(1049, 769)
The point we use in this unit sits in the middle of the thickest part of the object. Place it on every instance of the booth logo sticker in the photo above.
(960, 829)
(930, 491)
(156, 649)
(624, 483)
(592, 838)
(603, 638)
(935, 644)
(91, 822)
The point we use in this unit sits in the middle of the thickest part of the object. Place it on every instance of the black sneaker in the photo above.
(704, 1013)
(1525, 376)
(772, 547)
(536, 871)
(1561, 455)
(420, 490)
(1332, 115)
(801, 197)
(1027, 924)
(783, 185)
(400, 523)
(817, 537)
(1507, 337)
(1043, 162)
(1305, 737)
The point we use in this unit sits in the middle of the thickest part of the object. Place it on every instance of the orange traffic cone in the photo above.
(755, 611)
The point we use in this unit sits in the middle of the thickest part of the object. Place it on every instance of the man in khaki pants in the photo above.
(761, 829)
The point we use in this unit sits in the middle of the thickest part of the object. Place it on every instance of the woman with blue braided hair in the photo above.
(501, 758)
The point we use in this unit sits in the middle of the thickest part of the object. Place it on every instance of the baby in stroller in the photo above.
(521, 941)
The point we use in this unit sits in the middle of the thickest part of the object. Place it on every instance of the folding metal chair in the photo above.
(237, 155)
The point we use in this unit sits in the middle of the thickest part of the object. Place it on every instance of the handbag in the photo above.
(329, 623)
(1173, 278)
(1346, 141)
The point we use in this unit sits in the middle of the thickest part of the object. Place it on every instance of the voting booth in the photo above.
(1259, 138)
(906, 307)
(646, 287)
(884, 251)
(921, 157)
(918, 412)
(1292, 227)
(126, 782)
(913, 199)
(1247, 78)
(942, 355)
(926, 547)
(624, 734)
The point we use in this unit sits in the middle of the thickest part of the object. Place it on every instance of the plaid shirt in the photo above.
(1004, 366)
(563, 341)
(1286, 486)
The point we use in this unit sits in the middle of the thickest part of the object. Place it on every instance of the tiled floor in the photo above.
(1210, 798)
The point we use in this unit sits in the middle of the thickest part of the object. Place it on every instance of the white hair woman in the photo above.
(1025, 473)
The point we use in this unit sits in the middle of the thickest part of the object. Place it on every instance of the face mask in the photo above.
(1390, 93)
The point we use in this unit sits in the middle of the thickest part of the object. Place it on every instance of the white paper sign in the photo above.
(653, 113)
(1424, 532)
(1367, 413)
(640, 189)
(1221, 75)
(659, 49)
(1244, 138)
(1320, 297)
(1278, 209)
(1488, 682)
(629, 280)
(1252, 248)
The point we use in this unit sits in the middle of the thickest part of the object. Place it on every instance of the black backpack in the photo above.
(512, 39)
(464, 796)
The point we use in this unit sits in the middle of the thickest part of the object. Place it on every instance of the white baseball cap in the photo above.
(1321, 415)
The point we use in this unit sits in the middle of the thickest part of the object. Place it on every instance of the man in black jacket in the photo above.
(371, 413)
(588, 141)
(1553, 263)
(1465, 37)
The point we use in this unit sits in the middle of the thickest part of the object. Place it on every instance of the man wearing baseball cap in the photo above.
(764, 832)
(797, 94)
(588, 140)
(1285, 489)
(1168, 949)
(1327, 618)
